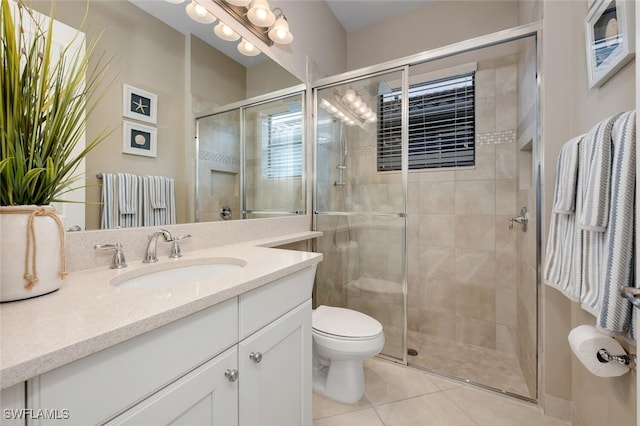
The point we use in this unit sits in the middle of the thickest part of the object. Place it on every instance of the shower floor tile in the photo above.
(403, 396)
(483, 366)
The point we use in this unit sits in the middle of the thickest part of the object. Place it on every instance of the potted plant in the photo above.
(44, 103)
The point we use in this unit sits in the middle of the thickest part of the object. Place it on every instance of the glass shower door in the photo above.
(360, 205)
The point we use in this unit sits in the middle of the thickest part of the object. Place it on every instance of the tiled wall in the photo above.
(462, 262)
(218, 166)
(462, 268)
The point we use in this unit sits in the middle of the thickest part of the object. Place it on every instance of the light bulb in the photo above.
(349, 96)
(247, 48)
(362, 109)
(356, 103)
(333, 109)
(324, 103)
(280, 33)
(260, 14)
(199, 14)
(225, 32)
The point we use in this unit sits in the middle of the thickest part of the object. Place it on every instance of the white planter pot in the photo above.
(22, 275)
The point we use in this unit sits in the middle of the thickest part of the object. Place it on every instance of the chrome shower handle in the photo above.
(522, 220)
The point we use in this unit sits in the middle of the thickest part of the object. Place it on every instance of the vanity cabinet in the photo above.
(275, 372)
(245, 361)
(202, 397)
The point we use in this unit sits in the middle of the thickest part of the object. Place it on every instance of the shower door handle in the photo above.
(522, 220)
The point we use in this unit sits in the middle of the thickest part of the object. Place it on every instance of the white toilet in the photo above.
(342, 340)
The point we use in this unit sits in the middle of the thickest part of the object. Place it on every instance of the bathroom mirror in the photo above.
(188, 75)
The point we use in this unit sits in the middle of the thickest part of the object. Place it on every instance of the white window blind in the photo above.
(441, 125)
(282, 145)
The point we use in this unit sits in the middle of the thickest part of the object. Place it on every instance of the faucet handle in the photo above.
(118, 261)
(175, 247)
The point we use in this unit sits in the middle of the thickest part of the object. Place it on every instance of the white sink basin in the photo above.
(169, 275)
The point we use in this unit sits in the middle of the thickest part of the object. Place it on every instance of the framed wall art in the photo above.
(610, 38)
(139, 104)
(139, 139)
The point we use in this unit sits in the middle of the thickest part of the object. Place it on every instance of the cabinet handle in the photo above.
(232, 375)
(255, 357)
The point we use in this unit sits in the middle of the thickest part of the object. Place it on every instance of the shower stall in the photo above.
(422, 168)
(250, 158)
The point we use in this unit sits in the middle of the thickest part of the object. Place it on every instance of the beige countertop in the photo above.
(88, 314)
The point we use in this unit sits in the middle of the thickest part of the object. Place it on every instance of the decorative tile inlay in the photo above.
(219, 158)
(489, 138)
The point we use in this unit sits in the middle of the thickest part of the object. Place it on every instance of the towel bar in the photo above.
(632, 294)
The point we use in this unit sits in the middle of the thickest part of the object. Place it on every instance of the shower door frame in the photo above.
(241, 106)
(522, 32)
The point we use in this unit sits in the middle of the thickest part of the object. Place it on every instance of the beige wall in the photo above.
(571, 108)
(138, 47)
(438, 24)
(268, 77)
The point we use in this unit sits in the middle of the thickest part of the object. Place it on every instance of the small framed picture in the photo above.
(139, 104)
(610, 38)
(138, 139)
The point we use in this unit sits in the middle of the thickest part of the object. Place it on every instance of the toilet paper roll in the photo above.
(586, 341)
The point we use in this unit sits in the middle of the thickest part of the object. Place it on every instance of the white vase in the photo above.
(23, 276)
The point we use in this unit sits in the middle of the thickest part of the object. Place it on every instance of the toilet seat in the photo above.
(344, 324)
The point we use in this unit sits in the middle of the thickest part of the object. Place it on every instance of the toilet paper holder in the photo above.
(628, 360)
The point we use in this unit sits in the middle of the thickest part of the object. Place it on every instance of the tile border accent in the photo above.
(494, 138)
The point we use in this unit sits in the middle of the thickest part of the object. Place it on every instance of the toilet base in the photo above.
(342, 380)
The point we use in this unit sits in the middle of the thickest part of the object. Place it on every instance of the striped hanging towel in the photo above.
(618, 260)
(159, 204)
(559, 259)
(594, 174)
(128, 200)
(109, 213)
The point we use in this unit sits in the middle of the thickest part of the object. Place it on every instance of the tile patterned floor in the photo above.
(489, 367)
(401, 396)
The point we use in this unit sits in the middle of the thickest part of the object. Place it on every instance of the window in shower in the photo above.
(282, 145)
(441, 125)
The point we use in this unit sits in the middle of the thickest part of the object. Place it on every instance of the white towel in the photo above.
(559, 259)
(594, 174)
(618, 260)
(109, 211)
(158, 191)
(159, 201)
(597, 172)
(127, 193)
(564, 198)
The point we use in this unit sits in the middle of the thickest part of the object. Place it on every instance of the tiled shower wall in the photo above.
(462, 261)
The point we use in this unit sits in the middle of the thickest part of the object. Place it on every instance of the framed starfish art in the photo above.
(139, 104)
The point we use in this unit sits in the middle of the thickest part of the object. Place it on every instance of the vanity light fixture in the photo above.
(225, 32)
(240, 3)
(199, 13)
(358, 107)
(247, 48)
(336, 112)
(279, 32)
(260, 14)
(270, 26)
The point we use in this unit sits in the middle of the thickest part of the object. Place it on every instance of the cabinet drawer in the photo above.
(92, 387)
(202, 397)
(261, 306)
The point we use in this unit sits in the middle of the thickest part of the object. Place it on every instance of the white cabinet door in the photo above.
(205, 396)
(275, 372)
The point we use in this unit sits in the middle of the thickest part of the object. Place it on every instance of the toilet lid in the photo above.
(344, 322)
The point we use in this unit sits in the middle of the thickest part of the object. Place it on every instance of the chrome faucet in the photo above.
(150, 255)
